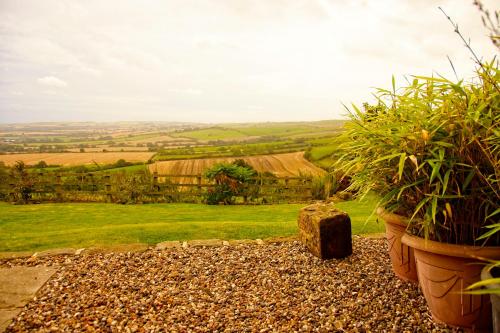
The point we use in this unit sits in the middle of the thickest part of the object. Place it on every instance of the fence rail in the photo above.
(147, 187)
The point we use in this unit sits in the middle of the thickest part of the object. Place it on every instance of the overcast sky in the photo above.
(220, 61)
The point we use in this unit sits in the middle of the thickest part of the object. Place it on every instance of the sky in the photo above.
(221, 61)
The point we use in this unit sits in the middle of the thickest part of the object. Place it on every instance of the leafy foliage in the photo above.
(131, 187)
(23, 186)
(231, 179)
(432, 149)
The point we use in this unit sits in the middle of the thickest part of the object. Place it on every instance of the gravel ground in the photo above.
(243, 288)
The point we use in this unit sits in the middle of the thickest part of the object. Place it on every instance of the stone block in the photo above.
(54, 252)
(325, 231)
(168, 245)
(205, 243)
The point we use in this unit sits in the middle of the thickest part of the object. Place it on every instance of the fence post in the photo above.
(156, 187)
(12, 193)
(108, 188)
(58, 187)
(198, 180)
(91, 178)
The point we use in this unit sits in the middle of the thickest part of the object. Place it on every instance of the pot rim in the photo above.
(392, 218)
(452, 250)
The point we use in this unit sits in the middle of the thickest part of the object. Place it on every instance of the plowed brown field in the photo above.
(76, 158)
(282, 165)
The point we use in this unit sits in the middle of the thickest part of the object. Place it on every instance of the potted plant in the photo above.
(431, 149)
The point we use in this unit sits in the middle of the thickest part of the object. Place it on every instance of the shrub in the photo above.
(41, 165)
(324, 187)
(131, 187)
(231, 180)
(122, 163)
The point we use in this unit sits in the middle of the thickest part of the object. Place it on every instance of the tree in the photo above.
(121, 163)
(23, 186)
(231, 180)
(41, 165)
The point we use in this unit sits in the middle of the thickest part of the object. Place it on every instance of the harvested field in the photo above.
(76, 158)
(237, 288)
(282, 165)
(115, 149)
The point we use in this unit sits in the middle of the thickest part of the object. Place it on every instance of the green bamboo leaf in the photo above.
(483, 283)
(358, 111)
(389, 157)
(493, 214)
(446, 180)
(435, 171)
(434, 208)
(444, 144)
(490, 232)
(468, 179)
(478, 111)
(430, 79)
(441, 154)
(458, 89)
(419, 206)
(403, 188)
(402, 160)
(484, 291)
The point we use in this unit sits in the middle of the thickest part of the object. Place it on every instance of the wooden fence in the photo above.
(147, 187)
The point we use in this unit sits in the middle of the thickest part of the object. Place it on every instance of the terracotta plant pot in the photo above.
(402, 258)
(495, 299)
(444, 271)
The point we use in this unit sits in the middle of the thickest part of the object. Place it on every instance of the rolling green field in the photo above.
(277, 130)
(213, 133)
(322, 155)
(248, 149)
(46, 226)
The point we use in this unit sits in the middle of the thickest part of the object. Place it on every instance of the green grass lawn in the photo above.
(45, 226)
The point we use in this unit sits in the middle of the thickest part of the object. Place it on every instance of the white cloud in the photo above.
(52, 81)
(200, 60)
(188, 91)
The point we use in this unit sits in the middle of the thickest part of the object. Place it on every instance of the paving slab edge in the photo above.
(141, 247)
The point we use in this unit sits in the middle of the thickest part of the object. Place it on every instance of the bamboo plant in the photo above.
(431, 149)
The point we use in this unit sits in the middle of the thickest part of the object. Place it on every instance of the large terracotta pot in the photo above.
(402, 258)
(444, 271)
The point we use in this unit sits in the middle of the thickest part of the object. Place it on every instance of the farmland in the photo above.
(71, 144)
(69, 159)
(156, 136)
(281, 165)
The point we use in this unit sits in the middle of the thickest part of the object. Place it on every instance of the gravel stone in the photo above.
(279, 287)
